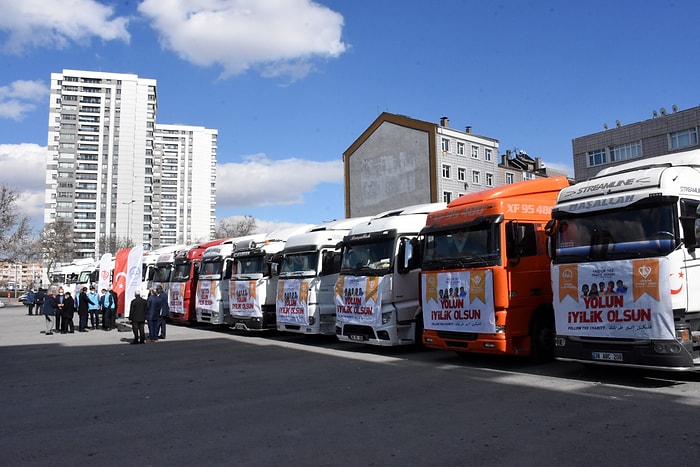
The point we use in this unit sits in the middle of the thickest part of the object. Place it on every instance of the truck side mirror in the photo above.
(405, 255)
(550, 231)
(513, 243)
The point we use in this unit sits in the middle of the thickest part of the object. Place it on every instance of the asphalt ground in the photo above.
(209, 397)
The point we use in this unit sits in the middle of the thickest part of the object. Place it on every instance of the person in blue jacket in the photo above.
(48, 309)
(29, 301)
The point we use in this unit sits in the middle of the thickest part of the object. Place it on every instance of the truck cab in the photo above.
(253, 282)
(376, 293)
(485, 272)
(625, 265)
(308, 270)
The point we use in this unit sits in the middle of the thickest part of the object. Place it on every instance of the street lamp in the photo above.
(128, 219)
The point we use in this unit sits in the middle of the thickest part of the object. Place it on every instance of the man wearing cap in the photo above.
(137, 317)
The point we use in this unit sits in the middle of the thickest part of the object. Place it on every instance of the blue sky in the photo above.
(290, 84)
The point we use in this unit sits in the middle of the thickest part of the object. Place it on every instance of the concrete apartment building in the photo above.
(15, 276)
(105, 164)
(399, 161)
(184, 185)
(664, 133)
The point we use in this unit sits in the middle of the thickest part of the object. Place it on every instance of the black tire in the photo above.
(542, 334)
(418, 336)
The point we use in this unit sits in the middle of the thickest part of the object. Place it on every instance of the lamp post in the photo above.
(16, 279)
(128, 219)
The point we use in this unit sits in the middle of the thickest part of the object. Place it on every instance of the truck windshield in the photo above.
(633, 232)
(58, 278)
(303, 263)
(211, 268)
(249, 265)
(475, 244)
(372, 258)
(181, 272)
(161, 274)
(84, 277)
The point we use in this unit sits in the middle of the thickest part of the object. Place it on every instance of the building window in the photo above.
(476, 177)
(597, 157)
(475, 152)
(460, 149)
(684, 139)
(528, 176)
(445, 171)
(461, 174)
(487, 154)
(445, 145)
(626, 151)
(447, 196)
(489, 179)
(509, 178)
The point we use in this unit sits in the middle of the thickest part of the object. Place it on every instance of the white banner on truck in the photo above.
(358, 300)
(293, 301)
(459, 301)
(622, 299)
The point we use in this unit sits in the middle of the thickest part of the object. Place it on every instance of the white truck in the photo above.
(625, 265)
(377, 292)
(253, 283)
(307, 273)
(212, 294)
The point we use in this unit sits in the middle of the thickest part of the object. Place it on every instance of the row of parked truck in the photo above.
(598, 272)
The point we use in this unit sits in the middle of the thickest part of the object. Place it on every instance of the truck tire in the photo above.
(418, 335)
(542, 336)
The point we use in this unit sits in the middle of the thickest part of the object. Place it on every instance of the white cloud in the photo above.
(265, 226)
(281, 37)
(24, 169)
(38, 23)
(260, 181)
(20, 97)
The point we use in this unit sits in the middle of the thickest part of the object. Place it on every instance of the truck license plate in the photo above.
(357, 337)
(607, 356)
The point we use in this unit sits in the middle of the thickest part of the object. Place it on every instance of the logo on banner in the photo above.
(568, 282)
(431, 287)
(646, 278)
(477, 286)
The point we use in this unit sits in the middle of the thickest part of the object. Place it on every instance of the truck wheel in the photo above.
(542, 337)
(418, 336)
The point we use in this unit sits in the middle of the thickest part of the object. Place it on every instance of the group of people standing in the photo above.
(59, 308)
(100, 311)
(154, 310)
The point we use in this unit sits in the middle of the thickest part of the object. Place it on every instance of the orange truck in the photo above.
(485, 278)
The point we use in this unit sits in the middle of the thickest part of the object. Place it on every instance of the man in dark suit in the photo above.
(83, 309)
(164, 311)
(137, 317)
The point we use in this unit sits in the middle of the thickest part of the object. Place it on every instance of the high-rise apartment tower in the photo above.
(108, 165)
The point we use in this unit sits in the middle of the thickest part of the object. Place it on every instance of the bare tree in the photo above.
(56, 243)
(112, 244)
(236, 226)
(15, 231)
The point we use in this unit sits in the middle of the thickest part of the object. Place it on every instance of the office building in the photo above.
(664, 133)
